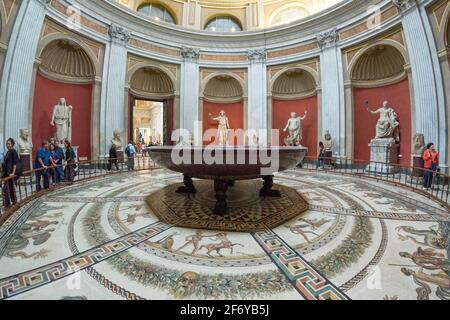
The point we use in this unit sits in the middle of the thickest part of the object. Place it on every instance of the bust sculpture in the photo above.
(294, 125)
(418, 144)
(388, 124)
(25, 145)
(223, 127)
(328, 142)
(117, 140)
(62, 120)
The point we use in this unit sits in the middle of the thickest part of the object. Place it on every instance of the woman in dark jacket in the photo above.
(113, 158)
(9, 171)
(69, 172)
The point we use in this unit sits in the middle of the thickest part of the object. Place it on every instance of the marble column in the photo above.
(427, 79)
(113, 94)
(332, 104)
(189, 99)
(17, 78)
(257, 117)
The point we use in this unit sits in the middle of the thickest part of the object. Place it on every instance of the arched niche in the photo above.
(378, 73)
(152, 84)
(66, 69)
(295, 90)
(223, 92)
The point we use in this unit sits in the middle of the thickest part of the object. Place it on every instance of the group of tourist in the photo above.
(54, 163)
(51, 163)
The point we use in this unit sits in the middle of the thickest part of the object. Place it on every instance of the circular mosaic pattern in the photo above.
(247, 210)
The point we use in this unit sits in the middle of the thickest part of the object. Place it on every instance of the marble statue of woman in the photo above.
(222, 130)
(25, 145)
(387, 125)
(62, 120)
(294, 125)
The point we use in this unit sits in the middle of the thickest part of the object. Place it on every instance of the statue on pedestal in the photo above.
(62, 120)
(117, 140)
(328, 142)
(388, 124)
(222, 130)
(25, 145)
(294, 125)
(419, 144)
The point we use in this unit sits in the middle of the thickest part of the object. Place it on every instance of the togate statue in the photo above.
(117, 140)
(62, 120)
(25, 145)
(222, 130)
(328, 142)
(294, 125)
(418, 144)
(388, 124)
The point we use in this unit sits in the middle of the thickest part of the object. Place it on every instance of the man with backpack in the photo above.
(9, 170)
(130, 151)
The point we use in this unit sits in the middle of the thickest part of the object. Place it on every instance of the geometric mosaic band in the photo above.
(307, 280)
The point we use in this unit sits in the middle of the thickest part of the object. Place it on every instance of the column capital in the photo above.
(191, 54)
(257, 55)
(327, 39)
(119, 34)
(404, 5)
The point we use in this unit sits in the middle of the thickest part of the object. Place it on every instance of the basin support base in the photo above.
(188, 186)
(221, 187)
(267, 189)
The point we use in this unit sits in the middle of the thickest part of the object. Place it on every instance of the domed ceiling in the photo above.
(228, 15)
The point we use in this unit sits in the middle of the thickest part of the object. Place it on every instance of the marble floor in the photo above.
(99, 239)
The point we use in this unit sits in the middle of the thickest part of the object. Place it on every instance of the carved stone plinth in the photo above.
(26, 162)
(417, 163)
(383, 156)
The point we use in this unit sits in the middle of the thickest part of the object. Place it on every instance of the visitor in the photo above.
(431, 165)
(9, 165)
(59, 170)
(52, 163)
(130, 151)
(321, 156)
(113, 158)
(70, 157)
(41, 164)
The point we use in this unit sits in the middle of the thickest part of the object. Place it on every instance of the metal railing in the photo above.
(409, 177)
(26, 187)
(406, 176)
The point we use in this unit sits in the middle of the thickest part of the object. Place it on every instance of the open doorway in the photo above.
(149, 122)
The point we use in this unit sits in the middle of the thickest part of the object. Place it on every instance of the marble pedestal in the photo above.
(26, 162)
(418, 164)
(383, 156)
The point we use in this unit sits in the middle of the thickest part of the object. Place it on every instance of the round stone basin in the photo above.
(225, 165)
(228, 163)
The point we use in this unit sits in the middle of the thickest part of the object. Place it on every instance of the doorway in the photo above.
(149, 122)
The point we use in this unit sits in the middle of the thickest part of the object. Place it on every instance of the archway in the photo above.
(66, 70)
(379, 74)
(223, 92)
(151, 106)
(295, 90)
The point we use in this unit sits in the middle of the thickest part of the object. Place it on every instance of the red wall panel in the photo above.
(46, 95)
(281, 112)
(364, 125)
(234, 112)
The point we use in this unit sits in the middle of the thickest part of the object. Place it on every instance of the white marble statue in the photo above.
(294, 125)
(328, 142)
(62, 120)
(387, 125)
(223, 127)
(25, 145)
(117, 140)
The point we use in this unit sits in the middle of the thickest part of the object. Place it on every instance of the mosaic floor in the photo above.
(100, 240)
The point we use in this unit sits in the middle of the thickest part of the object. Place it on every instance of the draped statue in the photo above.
(388, 124)
(223, 127)
(294, 125)
(62, 120)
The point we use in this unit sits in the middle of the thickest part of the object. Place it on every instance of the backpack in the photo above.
(128, 151)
